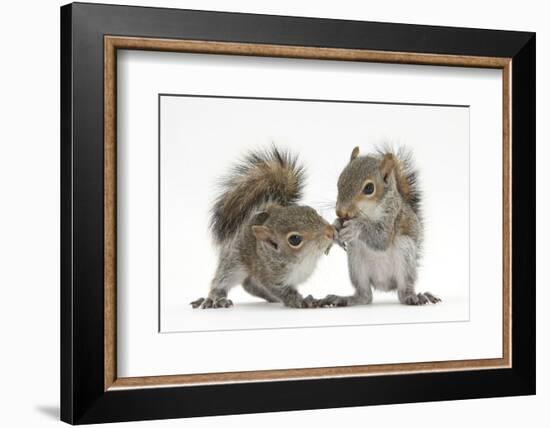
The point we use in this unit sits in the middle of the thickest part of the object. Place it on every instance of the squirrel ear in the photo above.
(386, 166)
(354, 153)
(263, 233)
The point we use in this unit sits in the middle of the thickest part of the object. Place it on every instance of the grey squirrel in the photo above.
(380, 226)
(267, 242)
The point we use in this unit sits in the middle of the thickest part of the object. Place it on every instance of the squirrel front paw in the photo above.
(350, 231)
(209, 303)
(337, 224)
(332, 300)
(302, 303)
(310, 302)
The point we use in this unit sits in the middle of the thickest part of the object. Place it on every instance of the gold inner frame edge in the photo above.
(113, 43)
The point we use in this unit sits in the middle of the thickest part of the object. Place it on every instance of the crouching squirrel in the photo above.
(379, 224)
(267, 242)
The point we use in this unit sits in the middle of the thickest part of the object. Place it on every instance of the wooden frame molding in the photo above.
(113, 43)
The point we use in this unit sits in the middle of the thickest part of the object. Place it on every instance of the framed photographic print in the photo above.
(265, 213)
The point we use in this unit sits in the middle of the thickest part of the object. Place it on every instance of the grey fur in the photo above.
(382, 233)
(262, 177)
(258, 290)
(251, 222)
(409, 172)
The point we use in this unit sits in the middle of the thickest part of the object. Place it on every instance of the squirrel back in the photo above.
(263, 177)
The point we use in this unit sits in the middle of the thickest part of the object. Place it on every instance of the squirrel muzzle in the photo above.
(343, 214)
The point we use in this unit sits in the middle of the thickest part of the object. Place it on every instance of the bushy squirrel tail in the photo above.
(263, 177)
(407, 176)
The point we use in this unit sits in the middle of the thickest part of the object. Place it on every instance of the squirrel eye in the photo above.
(295, 240)
(369, 188)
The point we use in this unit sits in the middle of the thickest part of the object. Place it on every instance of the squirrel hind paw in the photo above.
(197, 303)
(420, 299)
(431, 298)
(209, 303)
(222, 303)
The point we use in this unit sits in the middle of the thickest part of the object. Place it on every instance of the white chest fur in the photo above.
(385, 270)
(303, 270)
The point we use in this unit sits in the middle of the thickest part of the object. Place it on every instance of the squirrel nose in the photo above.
(341, 213)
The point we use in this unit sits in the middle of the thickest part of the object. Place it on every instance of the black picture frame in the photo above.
(83, 398)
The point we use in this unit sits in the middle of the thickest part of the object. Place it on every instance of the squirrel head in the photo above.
(363, 184)
(294, 232)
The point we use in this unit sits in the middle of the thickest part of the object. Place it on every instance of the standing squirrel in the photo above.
(379, 224)
(267, 242)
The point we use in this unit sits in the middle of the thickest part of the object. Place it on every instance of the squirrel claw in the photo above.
(222, 303)
(310, 302)
(299, 302)
(420, 299)
(209, 303)
(343, 245)
(331, 301)
(431, 298)
(197, 303)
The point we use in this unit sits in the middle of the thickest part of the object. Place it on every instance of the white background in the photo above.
(442, 151)
(29, 172)
(202, 137)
